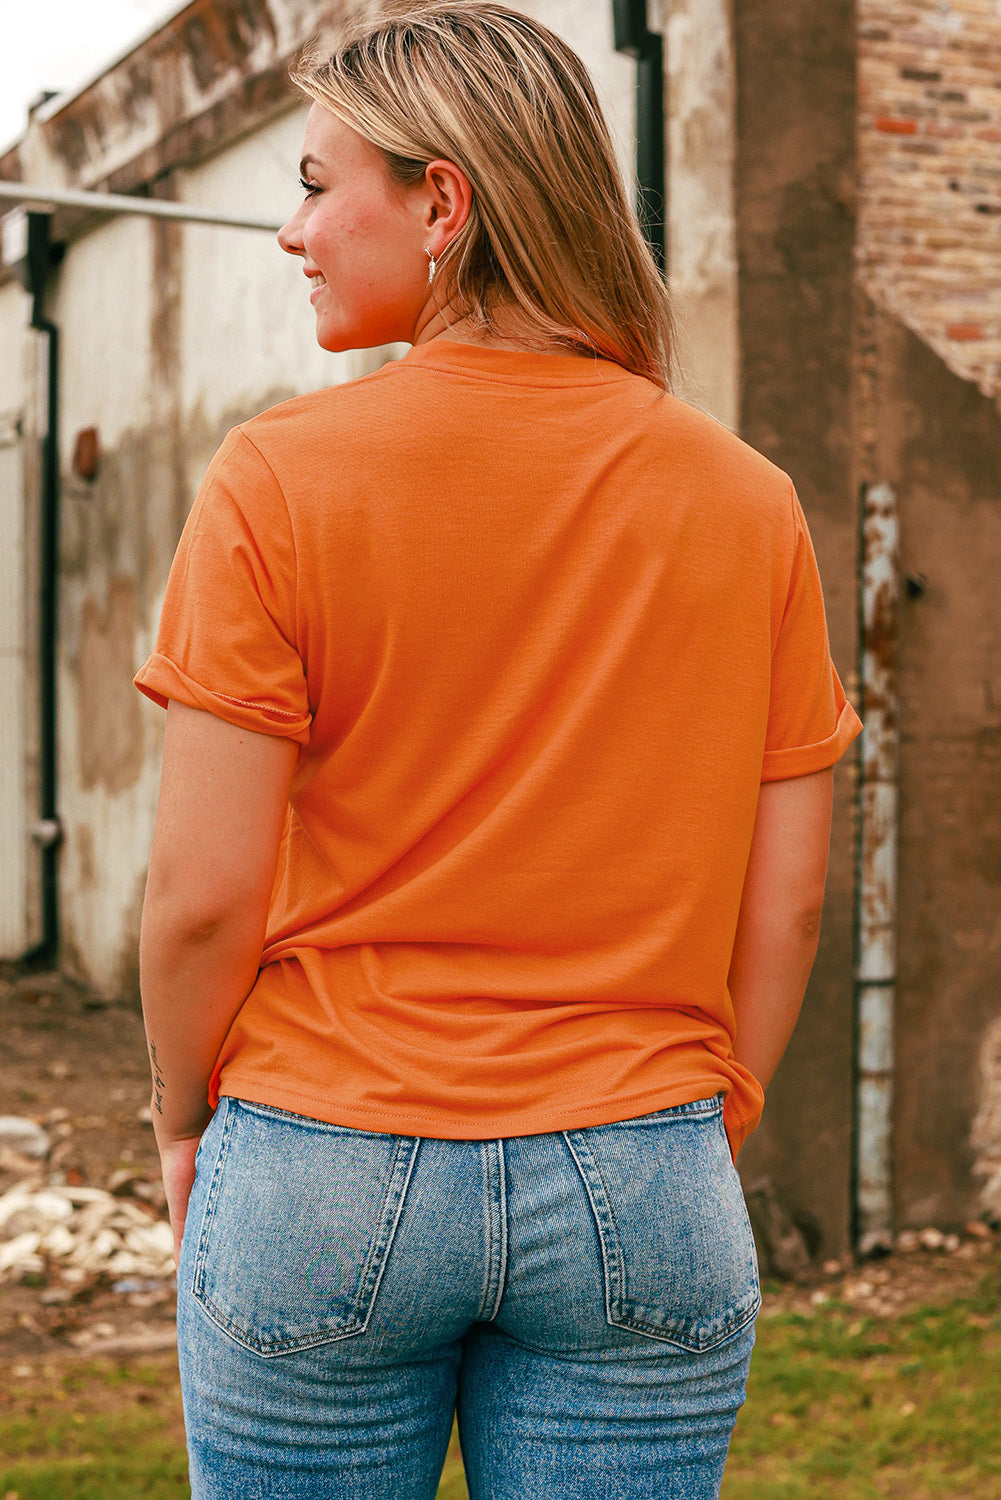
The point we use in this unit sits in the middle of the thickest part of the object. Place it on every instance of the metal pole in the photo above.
(118, 203)
(633, 37)
(876, 975)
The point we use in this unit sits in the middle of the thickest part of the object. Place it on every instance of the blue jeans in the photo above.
(584, 1300)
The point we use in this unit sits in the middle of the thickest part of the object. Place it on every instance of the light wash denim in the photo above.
(585, 1300)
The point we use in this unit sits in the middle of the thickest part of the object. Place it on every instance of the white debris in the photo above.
(24, 1136)
(58, 1241)
(75, 1233)
(21, 1209)
(19, 1252)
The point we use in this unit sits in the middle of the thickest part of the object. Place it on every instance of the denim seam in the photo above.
(378, 1255)
(496, 1267)
(680, 1113)
(604, 1217)
(211, 1201)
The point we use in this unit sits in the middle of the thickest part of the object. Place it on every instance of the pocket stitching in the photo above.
(613, 1293)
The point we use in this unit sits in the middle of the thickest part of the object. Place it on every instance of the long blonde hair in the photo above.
(551, 233)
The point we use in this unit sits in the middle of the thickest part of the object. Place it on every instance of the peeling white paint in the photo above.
(702, 240)
(985, 1136)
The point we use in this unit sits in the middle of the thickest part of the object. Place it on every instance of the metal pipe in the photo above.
(118, 203)
(47, 830)
(876, 916)
(633, 37)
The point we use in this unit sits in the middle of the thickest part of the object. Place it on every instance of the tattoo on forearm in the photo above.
(159, 1083)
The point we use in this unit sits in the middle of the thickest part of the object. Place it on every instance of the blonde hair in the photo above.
(551, 233)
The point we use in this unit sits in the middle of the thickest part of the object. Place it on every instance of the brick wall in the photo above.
(929, 242)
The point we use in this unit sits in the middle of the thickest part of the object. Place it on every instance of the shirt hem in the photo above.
(442, 1125)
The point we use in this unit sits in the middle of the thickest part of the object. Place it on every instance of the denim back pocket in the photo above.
(298, 1224)
(676, 1244)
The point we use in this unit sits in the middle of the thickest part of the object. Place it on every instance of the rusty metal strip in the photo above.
(876, 974)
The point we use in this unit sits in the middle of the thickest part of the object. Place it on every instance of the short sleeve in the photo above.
(227, 636)
(810, 722)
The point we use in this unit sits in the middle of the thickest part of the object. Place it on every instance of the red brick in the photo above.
(896, 127)
(964, 333)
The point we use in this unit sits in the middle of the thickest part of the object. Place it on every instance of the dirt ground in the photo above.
(76, 1065)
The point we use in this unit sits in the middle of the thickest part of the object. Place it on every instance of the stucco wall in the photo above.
(18, 928)
(937, 441)
(702, 232)
(170, 335)
(795, 165)
(101, 301)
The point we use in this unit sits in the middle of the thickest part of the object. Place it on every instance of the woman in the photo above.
(493, 828)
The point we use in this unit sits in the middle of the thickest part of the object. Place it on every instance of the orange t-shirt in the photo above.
(540, 632)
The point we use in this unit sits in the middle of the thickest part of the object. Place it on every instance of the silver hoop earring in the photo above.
(431, 265)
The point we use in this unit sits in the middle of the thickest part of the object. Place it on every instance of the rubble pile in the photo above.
(77, 1233)
(70, 1235)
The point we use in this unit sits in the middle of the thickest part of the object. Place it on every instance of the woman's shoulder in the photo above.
(711, 441)
(717, 464)
(288, 421)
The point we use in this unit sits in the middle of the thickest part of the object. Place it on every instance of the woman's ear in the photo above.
(450, 198)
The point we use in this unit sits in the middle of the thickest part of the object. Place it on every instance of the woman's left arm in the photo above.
(223, 796)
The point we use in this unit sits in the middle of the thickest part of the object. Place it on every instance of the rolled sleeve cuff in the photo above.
(161, 680)
(802, 760)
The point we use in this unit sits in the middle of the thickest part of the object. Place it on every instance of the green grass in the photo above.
(838, 1406)
(861, 1409)
(96, 1431)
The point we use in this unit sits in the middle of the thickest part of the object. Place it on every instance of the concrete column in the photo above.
(702, 248)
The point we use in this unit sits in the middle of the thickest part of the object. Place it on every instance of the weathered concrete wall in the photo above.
(240, 291)
(929, 256)
(702, 238)
(985, 1136)
(164, 348)
(937, 441)
(112, 527)
(795, 69)
(211, 72)
(18, 931)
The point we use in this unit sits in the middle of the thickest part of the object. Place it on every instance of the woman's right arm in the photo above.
(223, 795)
(779, 924)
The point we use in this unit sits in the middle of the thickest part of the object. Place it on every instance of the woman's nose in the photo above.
(290, 235)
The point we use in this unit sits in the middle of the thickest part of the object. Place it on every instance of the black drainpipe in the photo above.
(47, 831)
(635, 39)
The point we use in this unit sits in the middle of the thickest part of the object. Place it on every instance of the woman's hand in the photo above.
(177, 1166)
